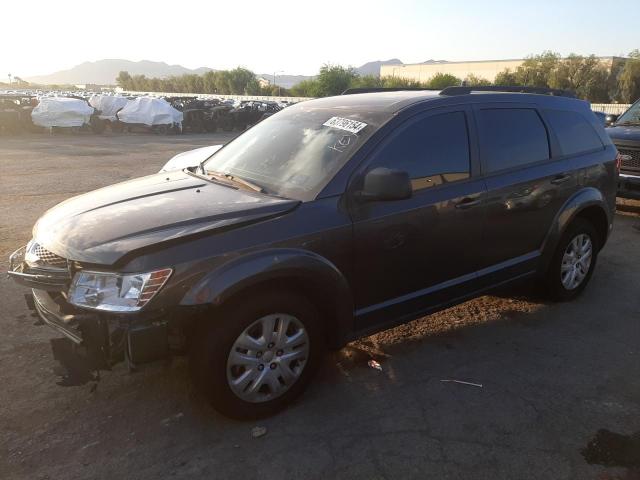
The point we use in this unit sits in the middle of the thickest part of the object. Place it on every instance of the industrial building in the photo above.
(487, 69)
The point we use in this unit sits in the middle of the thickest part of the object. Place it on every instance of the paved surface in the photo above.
(551, 374)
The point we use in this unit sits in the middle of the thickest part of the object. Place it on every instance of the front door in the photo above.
(412, 254)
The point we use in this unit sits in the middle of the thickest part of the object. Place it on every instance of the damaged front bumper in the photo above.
(49, 278)
(96, 339)
(103, 340)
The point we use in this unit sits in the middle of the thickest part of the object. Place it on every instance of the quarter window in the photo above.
(574, 133)
(433, 151)
(510, 137)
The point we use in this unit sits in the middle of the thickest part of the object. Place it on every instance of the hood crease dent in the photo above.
(102, 226)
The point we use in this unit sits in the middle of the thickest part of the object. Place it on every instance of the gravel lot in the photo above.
(552, 375)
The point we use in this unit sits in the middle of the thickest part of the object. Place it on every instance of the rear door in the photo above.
(528, 181)
(413, 253)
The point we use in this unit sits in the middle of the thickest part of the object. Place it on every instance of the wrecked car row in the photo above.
(25, 113)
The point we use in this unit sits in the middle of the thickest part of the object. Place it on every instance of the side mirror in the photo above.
(385, 184)
(611, 119)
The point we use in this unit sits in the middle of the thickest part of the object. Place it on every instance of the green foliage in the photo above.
(238, 81)
(586, 76)
(536, 70)
(369, 81)
(506, 77)
(123, 80)
(475, 81)
(333, 80)
(305, 88)
(397, 82)
(443, 80)
(629, 79)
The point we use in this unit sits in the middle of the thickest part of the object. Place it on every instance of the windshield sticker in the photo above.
(341, 144)
(352, 126)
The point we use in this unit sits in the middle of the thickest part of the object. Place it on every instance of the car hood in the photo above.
(629, 133)
(104, 225)
(190, 158)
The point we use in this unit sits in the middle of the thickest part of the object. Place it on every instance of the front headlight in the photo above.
(116, 292)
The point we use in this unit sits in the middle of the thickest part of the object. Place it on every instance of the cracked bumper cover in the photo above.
(104, 338)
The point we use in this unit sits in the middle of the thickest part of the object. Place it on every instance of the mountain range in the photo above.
(104, 72)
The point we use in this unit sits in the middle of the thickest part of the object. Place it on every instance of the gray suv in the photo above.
(330, 220)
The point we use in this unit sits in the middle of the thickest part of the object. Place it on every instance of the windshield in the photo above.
(295, 152)
(631, 116)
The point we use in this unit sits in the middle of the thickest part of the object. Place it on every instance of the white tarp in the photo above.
(149, 111)
(61, 112)
(108, 105)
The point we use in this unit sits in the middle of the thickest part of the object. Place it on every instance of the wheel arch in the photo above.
(300, 271)
(588, 203)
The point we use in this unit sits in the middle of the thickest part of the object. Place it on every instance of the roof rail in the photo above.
(352, 91)
(508, 88)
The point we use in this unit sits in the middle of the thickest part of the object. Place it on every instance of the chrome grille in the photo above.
(632, 163)
(48, 258)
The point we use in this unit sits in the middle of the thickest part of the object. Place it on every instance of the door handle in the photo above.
(468, 202)
(564, 177)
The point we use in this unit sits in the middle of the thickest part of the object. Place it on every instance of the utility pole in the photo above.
(274, 80)
(9, 79)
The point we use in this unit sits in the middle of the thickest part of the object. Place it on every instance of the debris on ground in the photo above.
(257, 432)
(373, 364)
(89, 445)
(169, 420)
(479, 385)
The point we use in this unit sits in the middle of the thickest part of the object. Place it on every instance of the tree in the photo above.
(536, 70)
(443, 80)
(368, 81)
(397, 82)
(629, 79)
(474, 81)
(506, 77)
(334, 79)
(305, 88)
(584, 75)
(124, 80)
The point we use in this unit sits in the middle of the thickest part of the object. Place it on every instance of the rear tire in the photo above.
(261, 386)
(573, 262)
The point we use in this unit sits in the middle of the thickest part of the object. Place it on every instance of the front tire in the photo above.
(252, 358)
(574, 261)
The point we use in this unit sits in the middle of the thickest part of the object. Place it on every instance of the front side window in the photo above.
(433, 151)
(510, 137)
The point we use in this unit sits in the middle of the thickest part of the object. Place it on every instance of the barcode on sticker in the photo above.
(352, 126)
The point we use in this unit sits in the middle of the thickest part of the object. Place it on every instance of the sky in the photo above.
(297, 37)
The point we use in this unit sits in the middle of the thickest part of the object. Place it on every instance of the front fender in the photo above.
(585, 198)
(306, 269)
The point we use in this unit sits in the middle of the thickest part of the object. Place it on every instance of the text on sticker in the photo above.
(352, 126)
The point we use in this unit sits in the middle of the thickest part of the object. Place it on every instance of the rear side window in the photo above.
(574, 133)
(433, 151)
(510, 137)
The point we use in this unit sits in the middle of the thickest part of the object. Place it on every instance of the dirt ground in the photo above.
(551, 375)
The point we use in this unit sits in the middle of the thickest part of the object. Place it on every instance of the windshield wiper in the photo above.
(232, 178)
(627, 123)
(247, 183)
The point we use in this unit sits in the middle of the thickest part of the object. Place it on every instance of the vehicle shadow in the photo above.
(442, 329)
